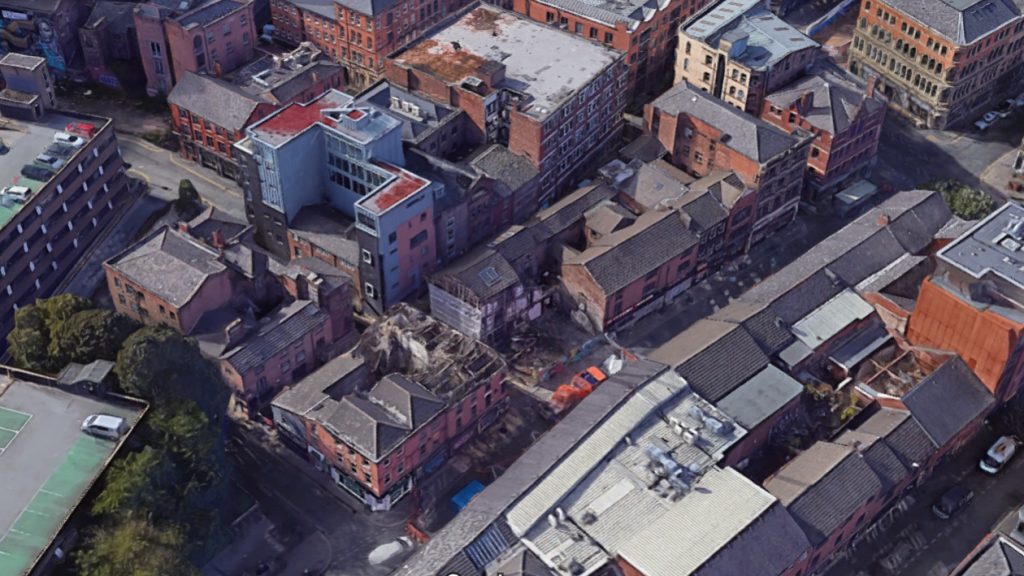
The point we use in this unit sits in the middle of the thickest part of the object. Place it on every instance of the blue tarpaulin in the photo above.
(462, 498)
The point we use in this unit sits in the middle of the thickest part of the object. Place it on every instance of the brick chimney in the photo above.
(183, 227)
(217, 239)
(806, 102)
(883, 220)
(869, 92)
(235, 332)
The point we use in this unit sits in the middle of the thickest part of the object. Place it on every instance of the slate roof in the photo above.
(774, 539)
(323, 8)
(999, 556)
(503, 165)
(392, 410)
(962, 21)
(929, 401)
(823, 487)
(96, 371)
(327, 228)
(765, 38)
(283, 327)
(116, 15)
(657, 183)
(210, 12)
(714, 357)
(470, 272)
(214, 100)
(879, 456)
(628, 255)
(746, 134)
(763, 324)
(610, 12)
(170, 264)
(836, 100)
(705, 211)
(902, 433)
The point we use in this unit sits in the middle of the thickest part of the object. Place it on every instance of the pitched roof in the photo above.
(929, 401)
(999, 556)
(746, 134)
(656, 183)
(878, 454)
(714, 357)
(902, 433)
(759, 38)
(209, 12)
(623, 257)
(962, 21)
(281, 329)
(823, 487)
(214, 100)
(760, 397)
(704, 210)
(170, 264)
(484, 272)
(96, 371)
(116, 15)
(761, 321)
(836, 100)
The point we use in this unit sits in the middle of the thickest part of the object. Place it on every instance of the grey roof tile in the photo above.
(214, 100)
(750, 136)
(723, 365)
(284, 326)
(484, 272)
(760, 397)
(961, 21)
(503, 165)
(929, 401)
(207, 13)
(999, 556)
(836, 99)
(902, 433)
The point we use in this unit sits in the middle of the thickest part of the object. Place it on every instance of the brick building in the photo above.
(703, 134)
(382, 417)
(646, 33)
(50, 224)
(552, 97)
(739, 52)
(109, 44)
(360, 34)
(846, 120)
(212, 37)
(940, 63)
(44, 28)
(210, 114)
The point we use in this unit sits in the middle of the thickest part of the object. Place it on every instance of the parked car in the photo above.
(991, 116)
(36, 172)
(70, 139)
(981, 125)
(84, 129)
(954, 500)
(48, 161)
(1001, 452)
(16, 193)
(1005, 109)
(105, 426)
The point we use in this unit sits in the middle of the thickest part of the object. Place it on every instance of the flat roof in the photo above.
(402, 186)
(993, 246)
(545, 63)
(26, 140)
(765, 38)
(46, 464)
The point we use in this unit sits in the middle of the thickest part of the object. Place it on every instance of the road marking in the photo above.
(140, 174)
(173, 158)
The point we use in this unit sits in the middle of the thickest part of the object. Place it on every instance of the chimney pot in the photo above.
(883, 220)
(183, 227)
(870, 90)
(217, 239)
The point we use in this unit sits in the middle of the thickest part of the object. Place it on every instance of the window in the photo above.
(607, 37)
(155, 49)
(550, 17)
(593, 33)
(698, 158)
(815, 152)
(579, 28)
(367, 257)
(369, 291)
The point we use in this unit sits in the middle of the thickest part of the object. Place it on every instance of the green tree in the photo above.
(964, 201)
(160, 365)
(141, 483)
(90, 335)
(188, 204)
(34, 326)
(134, 546)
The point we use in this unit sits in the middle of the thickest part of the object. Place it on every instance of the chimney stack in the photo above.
(870, 90)
(883, 220)
(183, 227)
(217, 239)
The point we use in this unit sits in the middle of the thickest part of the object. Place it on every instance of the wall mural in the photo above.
(29, 35)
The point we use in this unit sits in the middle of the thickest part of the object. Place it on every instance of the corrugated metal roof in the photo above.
(831, 318)
(719, 508)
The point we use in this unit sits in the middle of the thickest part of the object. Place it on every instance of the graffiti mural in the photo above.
(28, 35)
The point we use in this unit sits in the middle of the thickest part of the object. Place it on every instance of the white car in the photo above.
(105, 426)
(981, 125)
(998, 455)
(16, 193)
(70, 139)
(990, 117)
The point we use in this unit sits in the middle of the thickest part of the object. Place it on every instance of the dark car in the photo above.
(36, 172)
(952, 502)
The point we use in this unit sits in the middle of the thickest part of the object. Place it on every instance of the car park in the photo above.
(16, 193)
(105, 426)
(48, 161)
(954, 500)
(36, 172)
(69, 139)
(1001, 452)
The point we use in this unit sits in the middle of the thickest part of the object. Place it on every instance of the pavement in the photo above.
(917, 543)
(909, 157)
(318, 519)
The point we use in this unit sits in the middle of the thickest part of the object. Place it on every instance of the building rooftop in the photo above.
(760, 397)
(401, 186)
(323, 8)
(284, 78)
(929, 401)
(483, 272)
(215, 100)
(961, 21)
(992, 248)
(292, 120)
(329, 229)
(171, 264)
(835, 99)
(47, 464)
(116, 15)
(419, 116)
(25, 61)
(546, 64)
(208, 13)
(610, 12)
(997, 555)
(501, 164)
(279, 330)
(748, 135)
(25, 141)
(758, 37)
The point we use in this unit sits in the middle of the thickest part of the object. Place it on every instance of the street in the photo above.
(917, 543)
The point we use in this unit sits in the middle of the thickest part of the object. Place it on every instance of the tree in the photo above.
(134, 546)
(90, 335)
(160, 365)
(964, 201)
(188, 204)
(34, 326)
(140, 483)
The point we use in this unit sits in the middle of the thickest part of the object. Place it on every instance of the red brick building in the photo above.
(376, 423)
(210, 114)
(553, 98)
(357, 33)
(703, 134)
(645, 33)
(846, 120)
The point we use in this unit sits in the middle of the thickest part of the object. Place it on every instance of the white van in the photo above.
(105, 426)
(998, 455)
(16, 193)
